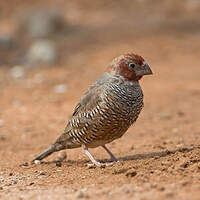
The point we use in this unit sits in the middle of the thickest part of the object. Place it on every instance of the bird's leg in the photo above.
(94, 162)
(85, 150)
(113, 158)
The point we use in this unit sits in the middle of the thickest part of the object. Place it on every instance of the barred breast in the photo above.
(104, 114)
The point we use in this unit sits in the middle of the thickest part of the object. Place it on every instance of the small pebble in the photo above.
(41, 52)
(41, 173)
(58, 164)
(132, 147)
(25, 164)
(60, 89)
(15, 182)
(131, 174)
(165, 163)
(184, 183)
(62, 156)
(175, 130)
(169, 194)
(180, 113)
(161, 188)
(79, 194)
(184, 164)
(1, 122)
(2, 138)
(165, 116)
(17, 72)
(37, 162)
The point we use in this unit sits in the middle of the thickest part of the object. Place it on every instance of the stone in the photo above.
(62, 156)
(1, 122)
(41, 52)
(17, 72)
(60, 89)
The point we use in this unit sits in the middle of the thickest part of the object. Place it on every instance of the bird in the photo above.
(106, 111)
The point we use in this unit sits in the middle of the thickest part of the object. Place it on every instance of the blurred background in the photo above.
(42, 33)
(51, 51)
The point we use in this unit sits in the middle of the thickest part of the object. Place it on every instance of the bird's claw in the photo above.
(101, 165)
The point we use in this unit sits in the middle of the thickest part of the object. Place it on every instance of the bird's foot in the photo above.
(95, 163)
(114, 159)
(101, 165)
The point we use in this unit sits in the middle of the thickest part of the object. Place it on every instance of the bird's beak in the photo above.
(143, 70)
(146, 69)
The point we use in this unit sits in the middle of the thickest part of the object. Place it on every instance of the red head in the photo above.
(129, 66)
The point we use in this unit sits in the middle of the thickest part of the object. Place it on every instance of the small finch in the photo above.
(109, 107)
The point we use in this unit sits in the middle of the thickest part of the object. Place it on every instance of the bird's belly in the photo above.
(111, 121)
(97, 143)
(112, 128)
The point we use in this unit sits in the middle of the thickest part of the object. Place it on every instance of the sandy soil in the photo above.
(159, 156)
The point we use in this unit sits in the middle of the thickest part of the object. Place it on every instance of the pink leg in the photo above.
(98, 164)
(94, 162)
(113, 158)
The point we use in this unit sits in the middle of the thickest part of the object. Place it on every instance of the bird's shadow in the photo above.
(156, 154)
(132, 157)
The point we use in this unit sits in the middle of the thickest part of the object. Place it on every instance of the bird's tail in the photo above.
(55, 147)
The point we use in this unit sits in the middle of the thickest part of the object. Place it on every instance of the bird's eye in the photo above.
(132, 65)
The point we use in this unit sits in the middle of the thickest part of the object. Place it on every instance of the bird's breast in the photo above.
(122, 105)
(109, 120)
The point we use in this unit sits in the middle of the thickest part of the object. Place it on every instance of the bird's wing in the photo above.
(92, 97)
(85, 112)
(89, 101)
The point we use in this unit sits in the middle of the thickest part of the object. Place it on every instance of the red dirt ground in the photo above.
(159, 155)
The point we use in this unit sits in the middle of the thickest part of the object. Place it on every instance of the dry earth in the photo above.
(159, 156)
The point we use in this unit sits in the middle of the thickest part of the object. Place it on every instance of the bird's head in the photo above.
(129, 66)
